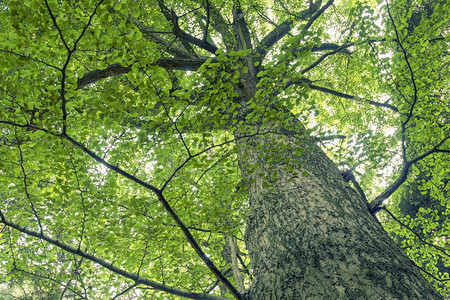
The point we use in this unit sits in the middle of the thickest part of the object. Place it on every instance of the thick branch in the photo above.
(243, 32)
(208, 18)
(349, 176)
(234, 265)
(273, 37)
(118, 69)
(313, 9)
(195, 41)
(358, 188)
(137, 279)
(329, 137)
(96, 75)
(378, 201)
(220, 24)
(329, 46)
(242, 25)
(173, 18)
(186, 64)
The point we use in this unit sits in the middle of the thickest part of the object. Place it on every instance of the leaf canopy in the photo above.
(119, 167)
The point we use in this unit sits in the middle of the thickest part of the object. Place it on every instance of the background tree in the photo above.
(182, 148)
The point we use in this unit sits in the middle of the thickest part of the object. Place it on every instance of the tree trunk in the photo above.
(313, 237)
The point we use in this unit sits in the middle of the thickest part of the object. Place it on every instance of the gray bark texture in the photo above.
(314, 238)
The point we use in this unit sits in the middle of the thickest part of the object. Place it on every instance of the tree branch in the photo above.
(109, 166)
(242, 34)
(186, 64)
(161, 198)
(433, 150)
(181, 64)
(30, 58)
(167, 46)
(25, 186)
(338, 94)
(173, 18)
(169, 210)
(208, 18)
(52, 16)
(440, 249)
(405, 55)
(222, 28)
(137, 279)
(349, 176)
(375, 204)
(317, 13)
(273, 37)
(118, 69)
(320, 59)
(279, 32)
(329, 46)
(234, 265)
(329, 138)
(242, 25)
(47, 277)
(125, 291)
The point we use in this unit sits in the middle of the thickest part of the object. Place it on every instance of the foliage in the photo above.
(119, 118)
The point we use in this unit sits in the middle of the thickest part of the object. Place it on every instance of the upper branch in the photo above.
(377, 202)
(441, 249)
(281, 30)
(273, 37)
(317, 13)
(48, 277)
(242, 32)
(405, 55)
(68, 59)
(173, 18)
(164, 44)
(221, 25)
(208, 18)
(242, 26)
(52, 16)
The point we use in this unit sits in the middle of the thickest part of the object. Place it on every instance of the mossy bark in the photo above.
(313, 237)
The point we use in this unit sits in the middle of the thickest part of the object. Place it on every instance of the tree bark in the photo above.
(313, 237)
